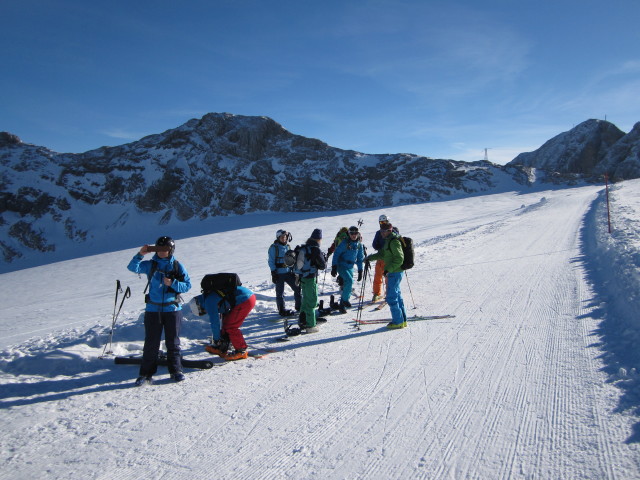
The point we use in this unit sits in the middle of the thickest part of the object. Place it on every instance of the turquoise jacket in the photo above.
(161, 298)
(276, 257)
(349, 253)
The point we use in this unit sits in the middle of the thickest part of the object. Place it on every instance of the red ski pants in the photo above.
(232, 321)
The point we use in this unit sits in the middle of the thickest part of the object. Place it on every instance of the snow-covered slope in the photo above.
(533, 378)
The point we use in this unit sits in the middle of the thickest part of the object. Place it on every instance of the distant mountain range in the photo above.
(593, 148)
(58, 205)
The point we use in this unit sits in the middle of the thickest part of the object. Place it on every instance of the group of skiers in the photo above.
(227, 309)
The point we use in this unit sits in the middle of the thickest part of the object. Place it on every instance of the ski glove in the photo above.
(334, 270)
(359, 275)
(274, 276)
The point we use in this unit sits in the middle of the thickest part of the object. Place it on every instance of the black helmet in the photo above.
(168, 242)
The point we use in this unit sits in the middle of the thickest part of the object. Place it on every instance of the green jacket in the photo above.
(391, 253)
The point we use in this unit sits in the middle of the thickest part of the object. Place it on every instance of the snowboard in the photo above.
(162, 361)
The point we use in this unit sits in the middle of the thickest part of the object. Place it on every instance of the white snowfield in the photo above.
(534, 378)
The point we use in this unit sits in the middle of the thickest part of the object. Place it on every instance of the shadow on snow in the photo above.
(618, 330)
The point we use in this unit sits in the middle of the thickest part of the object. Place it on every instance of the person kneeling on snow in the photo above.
(233, 308)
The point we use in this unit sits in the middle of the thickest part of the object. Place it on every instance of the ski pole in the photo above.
(324, 281)
(126, 295)
(367, 267)
(113, 317)
(409, 284)
(115, 303)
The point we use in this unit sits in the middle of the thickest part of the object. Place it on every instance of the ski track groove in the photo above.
(520, 395)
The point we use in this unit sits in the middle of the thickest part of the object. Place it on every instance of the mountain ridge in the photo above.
(219, 165)
(594, 147)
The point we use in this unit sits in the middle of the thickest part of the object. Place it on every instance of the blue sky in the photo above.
(444, 79)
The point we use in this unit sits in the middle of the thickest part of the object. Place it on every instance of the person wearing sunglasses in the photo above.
(348, 253)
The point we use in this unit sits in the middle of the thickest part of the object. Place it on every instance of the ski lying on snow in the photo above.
(410, 319)
(286, 338)
(259, 352)
(381, 306)
(136, 360)
(369, 303)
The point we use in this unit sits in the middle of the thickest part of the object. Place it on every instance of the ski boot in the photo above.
(395, 326)
(238, 354)
(322, 312)
(142, 381)
(218, 347)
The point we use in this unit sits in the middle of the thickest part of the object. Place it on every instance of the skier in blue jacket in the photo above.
(167, 279)
(348, 253)
(281, 274)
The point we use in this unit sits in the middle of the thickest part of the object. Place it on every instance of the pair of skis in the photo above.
(415, 318)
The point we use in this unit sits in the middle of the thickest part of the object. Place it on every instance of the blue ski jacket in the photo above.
(349, 253)
(378, 241)
(276, 257)
(214, 305)
(161, 298)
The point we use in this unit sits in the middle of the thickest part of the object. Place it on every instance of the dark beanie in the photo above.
(317, 234)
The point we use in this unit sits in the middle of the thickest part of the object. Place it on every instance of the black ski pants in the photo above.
(290, 279)
(154, 323)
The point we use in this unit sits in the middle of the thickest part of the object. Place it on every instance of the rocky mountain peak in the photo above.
(585, 149)
(7, 139)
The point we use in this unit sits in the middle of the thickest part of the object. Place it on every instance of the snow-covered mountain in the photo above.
(593, 147)
(56, 206)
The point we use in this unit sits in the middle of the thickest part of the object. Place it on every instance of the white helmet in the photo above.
(383, 218)
(281, 232)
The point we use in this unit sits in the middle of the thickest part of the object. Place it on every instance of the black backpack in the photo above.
(290, 257)
(407, 250)
(224, 284)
